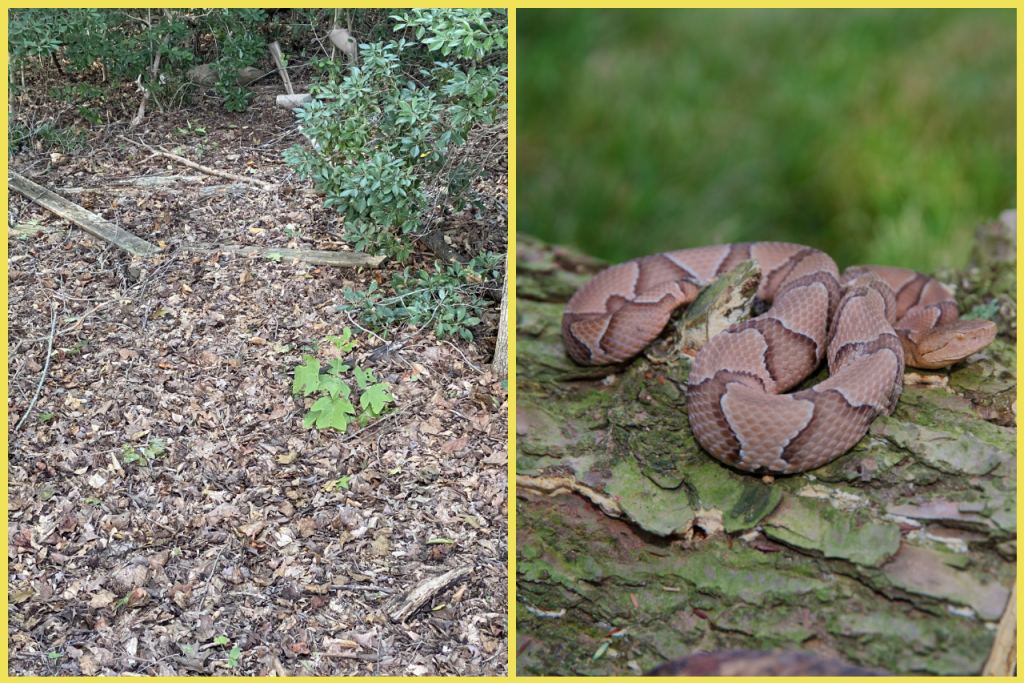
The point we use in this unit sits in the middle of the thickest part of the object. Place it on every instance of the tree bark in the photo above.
(634, 546)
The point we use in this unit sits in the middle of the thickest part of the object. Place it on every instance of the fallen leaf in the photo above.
(455, 445)
(138, 597)
(431, 426)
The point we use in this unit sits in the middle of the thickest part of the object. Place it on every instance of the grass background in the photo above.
(877, 136)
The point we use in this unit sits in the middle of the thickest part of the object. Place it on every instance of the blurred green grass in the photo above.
(878, 136)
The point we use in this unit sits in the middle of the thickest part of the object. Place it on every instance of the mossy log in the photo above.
(634, 546)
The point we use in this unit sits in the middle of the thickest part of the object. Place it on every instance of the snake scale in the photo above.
(869, 323)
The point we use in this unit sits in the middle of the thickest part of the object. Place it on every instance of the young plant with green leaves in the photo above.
(233, 654)
(335, 408)
(156, 449)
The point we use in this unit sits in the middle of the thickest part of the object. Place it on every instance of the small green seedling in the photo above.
(335, 408)
(233, 654)
(154, 450)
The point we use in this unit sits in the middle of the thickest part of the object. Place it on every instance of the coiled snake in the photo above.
(869, 322)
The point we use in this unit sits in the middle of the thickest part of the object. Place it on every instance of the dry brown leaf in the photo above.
(431, 426)
(455, 445)
(287, 458)
(307, 527)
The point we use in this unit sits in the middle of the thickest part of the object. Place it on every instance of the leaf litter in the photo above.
(235, 542)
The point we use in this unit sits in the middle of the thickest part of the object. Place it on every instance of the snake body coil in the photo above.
(868, 323)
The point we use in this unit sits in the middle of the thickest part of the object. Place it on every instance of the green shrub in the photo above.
(382, 134)
(124, 42)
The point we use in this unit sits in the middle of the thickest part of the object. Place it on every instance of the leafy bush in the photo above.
(241, 46)
(334, 407)
(382, 134)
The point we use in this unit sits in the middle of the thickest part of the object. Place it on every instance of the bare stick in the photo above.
(212, 574)
(46, 368)
(205, 169)
(499, 364)
(401, 607)
(339, 259)
(156, 68)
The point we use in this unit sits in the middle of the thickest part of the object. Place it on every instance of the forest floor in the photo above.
(168, 513)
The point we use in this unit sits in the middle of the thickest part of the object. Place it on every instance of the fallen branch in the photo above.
(499, 365)
(86, 220)
(434, 241)
(340, 259)
(401, 607)
(46, 368)
(98, 227)
(269, 187)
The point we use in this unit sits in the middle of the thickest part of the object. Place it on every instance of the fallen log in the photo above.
(86, 220)
(107, 231)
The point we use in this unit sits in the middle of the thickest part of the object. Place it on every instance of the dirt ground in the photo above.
(168, 513)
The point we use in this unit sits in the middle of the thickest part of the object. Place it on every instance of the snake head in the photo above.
(947, 344)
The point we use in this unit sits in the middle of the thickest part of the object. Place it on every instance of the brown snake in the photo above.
(869, 323)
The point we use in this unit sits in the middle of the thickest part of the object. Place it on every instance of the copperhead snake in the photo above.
(869, 323)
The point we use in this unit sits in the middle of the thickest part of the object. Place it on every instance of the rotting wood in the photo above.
(1002, 658)
(402, 607)
(269, 187)
(86, 220)
(628, 437)
(340, 259)
(204, 191)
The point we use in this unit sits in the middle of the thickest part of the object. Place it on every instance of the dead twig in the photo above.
(46, 368)
(374, 424)
(402, 607)
(269, 187)
(463, 356)
(212, 574)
